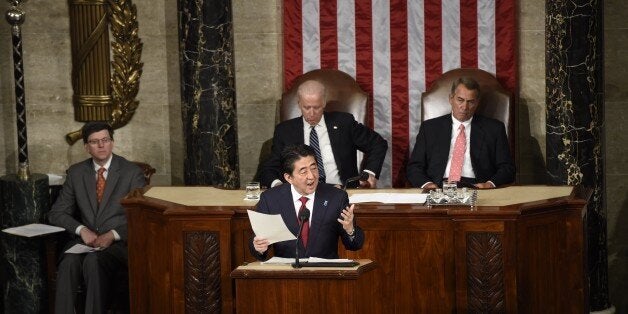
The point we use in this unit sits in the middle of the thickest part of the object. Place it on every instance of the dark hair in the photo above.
(468, 82)
(95, 126)
(292, 153)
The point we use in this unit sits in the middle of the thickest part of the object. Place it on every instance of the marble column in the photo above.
(575, 116)
(208, 93)
(23, 283)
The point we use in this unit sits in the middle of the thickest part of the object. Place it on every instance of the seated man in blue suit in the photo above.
(462, 147)
(89, 208)
(331, 217)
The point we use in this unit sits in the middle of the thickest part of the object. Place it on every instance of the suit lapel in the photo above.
(287, 210)
(333, 131)
(444, 136)
(297, 130)
(89, 183)
(477, 138)
(321, 207)
(112, 179)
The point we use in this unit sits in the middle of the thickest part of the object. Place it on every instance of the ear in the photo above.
(86, 146)
(288, 177)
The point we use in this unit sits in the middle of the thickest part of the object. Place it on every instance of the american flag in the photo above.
(395, 49)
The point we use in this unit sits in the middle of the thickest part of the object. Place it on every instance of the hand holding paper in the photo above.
(270, 227)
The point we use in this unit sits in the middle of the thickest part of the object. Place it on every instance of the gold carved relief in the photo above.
(98, 93)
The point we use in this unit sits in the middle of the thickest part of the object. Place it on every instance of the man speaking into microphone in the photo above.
(330, 216)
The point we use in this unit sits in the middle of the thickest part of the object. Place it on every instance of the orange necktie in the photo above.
(457, 159)
(100, 184)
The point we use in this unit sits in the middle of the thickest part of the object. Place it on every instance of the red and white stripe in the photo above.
(395, 49)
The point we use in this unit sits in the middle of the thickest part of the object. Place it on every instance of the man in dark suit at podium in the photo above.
(462, 146)
(331, 216)
(89, 207)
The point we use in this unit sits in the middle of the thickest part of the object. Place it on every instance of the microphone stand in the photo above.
(303, 218)
(362, 177)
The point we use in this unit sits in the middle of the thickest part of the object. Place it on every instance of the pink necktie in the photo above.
(306, 225)
(100, 184)
(457, 158)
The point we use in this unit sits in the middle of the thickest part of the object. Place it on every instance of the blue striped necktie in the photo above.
(317, 150)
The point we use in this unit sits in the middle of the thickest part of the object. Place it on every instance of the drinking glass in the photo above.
(252, 191)
(449, 188)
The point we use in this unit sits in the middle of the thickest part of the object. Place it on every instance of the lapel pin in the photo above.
(335, 127)
(325, 203)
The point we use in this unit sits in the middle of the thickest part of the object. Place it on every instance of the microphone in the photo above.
(304, 216)
(362, 177)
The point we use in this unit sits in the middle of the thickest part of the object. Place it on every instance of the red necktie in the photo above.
(100, 184)
(306, 225)
(457, 159)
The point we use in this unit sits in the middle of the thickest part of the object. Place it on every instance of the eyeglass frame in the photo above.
(104, 140)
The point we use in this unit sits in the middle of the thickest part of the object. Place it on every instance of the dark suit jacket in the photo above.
(490, 155)
(346, 136)
(78, 197)
(329, 202)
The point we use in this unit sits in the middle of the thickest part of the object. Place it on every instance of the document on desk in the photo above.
(33, 230)
(82, 249)
(389, 198)
(270, 227)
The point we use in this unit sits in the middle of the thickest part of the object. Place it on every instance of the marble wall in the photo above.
(616, 115)
(154, 135)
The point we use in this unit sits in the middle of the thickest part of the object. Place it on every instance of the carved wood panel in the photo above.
(201, 258)
(485, 273)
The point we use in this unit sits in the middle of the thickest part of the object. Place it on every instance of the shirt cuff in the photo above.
(369, 172)
(275, 183)
(116, 236)
(78, 230)
(426, 183)
(491, 182)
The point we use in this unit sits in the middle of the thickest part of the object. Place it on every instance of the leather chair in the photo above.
(343, 94)
(495, 101)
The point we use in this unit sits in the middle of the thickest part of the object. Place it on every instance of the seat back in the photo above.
(495, 101)
(147, 170)
(343, 94)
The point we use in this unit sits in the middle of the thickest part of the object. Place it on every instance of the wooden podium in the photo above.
(521, 250)
(282, 289)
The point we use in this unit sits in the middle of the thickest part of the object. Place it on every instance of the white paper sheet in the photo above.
(389, 198)
(33, 230)
(82, 249)
(282, 261)
(270, 227)
(329, 260)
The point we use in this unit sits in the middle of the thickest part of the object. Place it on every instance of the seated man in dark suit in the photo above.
(89, 207)
(461, 147)
(331, 217)
(335, 136)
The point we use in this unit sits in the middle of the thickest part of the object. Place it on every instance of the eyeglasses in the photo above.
(104, 140)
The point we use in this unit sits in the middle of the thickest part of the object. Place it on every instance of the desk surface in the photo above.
(210, 196)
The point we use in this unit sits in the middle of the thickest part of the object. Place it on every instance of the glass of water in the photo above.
(252, 191)
(449, 188)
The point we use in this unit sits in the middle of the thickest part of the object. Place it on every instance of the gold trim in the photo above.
(127, 65)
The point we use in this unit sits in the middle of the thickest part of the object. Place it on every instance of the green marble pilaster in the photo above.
(575, 119)
(208, 93)
(23, 281)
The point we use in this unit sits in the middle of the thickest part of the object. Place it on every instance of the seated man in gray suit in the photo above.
(89, 207)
